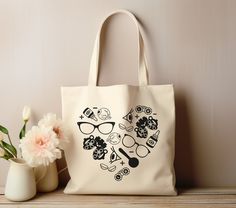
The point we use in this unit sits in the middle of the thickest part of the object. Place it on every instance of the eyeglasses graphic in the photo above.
(141, 150)
(88, 128)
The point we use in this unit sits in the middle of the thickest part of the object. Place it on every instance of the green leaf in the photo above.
(10, 148)
(7, 154)
(3, 130)
(22, 132)
(7, 157)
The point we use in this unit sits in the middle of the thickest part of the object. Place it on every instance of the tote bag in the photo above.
(122, 136)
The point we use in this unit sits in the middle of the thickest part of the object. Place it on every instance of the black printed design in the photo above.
(104, 114)
(90, 114)
(88, 128)
(99, 144)
(114, 138)
(105, 167)
(144, 122)
(141, 132)
(89, 143)
(142, 108)
(152, 140)
(129, 116)
(127, 128)
(123, 172)
(152, 123)
(99, 154)
(114, 156)
(129, 142)
(133, 161)
(122, 147)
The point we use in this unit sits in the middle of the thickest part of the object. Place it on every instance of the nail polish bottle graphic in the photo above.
(90, 114)
(152, 140)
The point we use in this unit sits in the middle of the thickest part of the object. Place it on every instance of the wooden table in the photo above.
(195, 198)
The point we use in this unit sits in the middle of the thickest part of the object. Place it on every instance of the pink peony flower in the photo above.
(40, 146)
(57, 125)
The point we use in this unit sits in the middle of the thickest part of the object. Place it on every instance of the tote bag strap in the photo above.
(94, 64)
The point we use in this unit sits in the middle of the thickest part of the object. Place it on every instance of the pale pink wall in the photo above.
(45, 44)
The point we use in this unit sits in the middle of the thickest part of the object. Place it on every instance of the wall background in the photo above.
(45, 44)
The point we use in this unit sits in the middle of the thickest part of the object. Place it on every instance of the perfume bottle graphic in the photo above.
(152, 140)
(90, 114)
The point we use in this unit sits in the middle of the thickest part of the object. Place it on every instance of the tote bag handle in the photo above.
(94, 64)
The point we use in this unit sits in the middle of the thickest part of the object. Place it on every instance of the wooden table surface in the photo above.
(205, 198)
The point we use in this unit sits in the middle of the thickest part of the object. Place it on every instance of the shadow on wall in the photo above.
(184, 164)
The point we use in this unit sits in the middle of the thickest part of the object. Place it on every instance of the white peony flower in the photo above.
(2, 152)
(26, 113)
(39, 146)
(51, 120)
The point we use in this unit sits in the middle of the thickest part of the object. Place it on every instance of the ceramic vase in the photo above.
(46, 178)
(20, 184)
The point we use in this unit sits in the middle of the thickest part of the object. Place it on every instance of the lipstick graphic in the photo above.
(90, 114)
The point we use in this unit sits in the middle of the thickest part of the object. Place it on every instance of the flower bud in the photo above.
(26, 113)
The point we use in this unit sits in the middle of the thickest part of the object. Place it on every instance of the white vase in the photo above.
(46, 177)
(20, 184)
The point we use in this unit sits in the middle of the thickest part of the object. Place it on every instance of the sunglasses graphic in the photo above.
(88, 128)
(141, 150)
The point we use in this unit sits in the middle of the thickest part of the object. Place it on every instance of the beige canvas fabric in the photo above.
(122, 136)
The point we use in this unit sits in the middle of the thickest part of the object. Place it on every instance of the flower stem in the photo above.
(9, 139)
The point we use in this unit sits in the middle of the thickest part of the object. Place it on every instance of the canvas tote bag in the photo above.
(122, 136)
